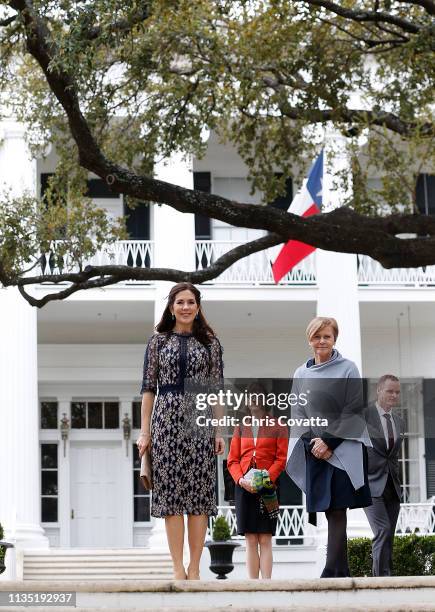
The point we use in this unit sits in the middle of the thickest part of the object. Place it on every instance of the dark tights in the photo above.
(336, 554)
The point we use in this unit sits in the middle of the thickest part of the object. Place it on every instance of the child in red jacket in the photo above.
(262, 444)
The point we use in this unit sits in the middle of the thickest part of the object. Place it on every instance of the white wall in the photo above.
(414, 357)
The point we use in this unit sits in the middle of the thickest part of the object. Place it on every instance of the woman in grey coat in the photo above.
(329, 462)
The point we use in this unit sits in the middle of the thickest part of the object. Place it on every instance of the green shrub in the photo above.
(221, 530)
(413, 555)
(1, 532)
(359, 552)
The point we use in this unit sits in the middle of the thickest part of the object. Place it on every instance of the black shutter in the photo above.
(429, 433)
(97, 188)
(283, 201)
(44, 182)
(138, 221)
(425, 194)
(202, 182)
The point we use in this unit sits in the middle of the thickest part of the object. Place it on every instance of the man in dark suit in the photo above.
(386, 432)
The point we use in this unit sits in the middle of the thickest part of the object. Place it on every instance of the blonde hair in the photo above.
(319, 323)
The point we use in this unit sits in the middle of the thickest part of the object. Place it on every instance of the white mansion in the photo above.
(79, 362)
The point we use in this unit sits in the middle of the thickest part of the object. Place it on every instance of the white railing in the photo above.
(370, 272)
(416, 518)
(254, 269)
(134, 253)
(293, 522)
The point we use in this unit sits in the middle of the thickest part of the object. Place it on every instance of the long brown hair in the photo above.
(200, 329)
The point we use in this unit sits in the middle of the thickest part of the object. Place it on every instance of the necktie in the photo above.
(390, 432)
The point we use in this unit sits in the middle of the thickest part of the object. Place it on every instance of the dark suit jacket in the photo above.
(381, 463)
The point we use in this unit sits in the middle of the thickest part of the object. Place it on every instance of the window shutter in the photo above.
(425, 194)
(202, 182)
(429, 433)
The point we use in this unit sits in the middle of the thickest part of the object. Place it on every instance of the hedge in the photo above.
(413, 555)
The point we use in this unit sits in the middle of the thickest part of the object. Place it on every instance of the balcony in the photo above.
(372, 274)
(251, 271)
(138, 253)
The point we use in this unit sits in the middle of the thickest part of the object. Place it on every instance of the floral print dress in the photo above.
(183, 462)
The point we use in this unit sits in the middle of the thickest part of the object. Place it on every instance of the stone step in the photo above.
(100, 564)
(94, 552)
(335, 594)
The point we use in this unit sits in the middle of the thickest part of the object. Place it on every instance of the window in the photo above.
(141, 497)
(202, 182)
(49, 483)
(94, 414)
(138, 226)
(97, 188)
(410, 410)
(136, 414)
(425, 194)
(48, 415)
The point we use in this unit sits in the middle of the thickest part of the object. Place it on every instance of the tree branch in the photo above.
(366, 16)
(109, 275)
(341, 230)
(360, 116)
(122, 25)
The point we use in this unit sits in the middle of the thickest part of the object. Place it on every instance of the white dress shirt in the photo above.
(381, 413)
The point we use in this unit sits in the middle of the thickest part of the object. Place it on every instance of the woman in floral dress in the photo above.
(183, 462)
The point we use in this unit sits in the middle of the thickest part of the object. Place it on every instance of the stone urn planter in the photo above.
(221, 549)
(3, 548)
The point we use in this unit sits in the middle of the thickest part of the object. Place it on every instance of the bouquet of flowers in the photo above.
(261, 483)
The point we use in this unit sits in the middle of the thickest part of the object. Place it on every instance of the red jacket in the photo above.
(270, 450)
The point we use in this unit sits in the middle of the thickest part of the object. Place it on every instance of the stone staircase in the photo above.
(96, 564)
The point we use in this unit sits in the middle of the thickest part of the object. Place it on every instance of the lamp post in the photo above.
(126, 428)
(64, 431)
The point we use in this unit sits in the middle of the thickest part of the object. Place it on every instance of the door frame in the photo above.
(125, 524)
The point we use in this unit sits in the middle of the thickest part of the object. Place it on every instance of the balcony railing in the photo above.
(418, 518)
(370, 273)
(134, 253)
(254, 269)
(293, 522)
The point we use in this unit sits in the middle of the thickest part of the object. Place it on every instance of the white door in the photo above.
(96, 499)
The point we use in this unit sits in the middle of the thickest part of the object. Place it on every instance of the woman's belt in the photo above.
(176, 388)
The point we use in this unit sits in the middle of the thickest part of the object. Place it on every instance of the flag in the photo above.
(306, 203)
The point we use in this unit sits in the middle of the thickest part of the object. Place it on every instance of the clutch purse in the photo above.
(145, 471)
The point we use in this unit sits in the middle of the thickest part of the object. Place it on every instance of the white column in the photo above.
(337, 272)
(338, 298)
(337, 279)
(174, 232)
(174, 247)
(19, 450)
